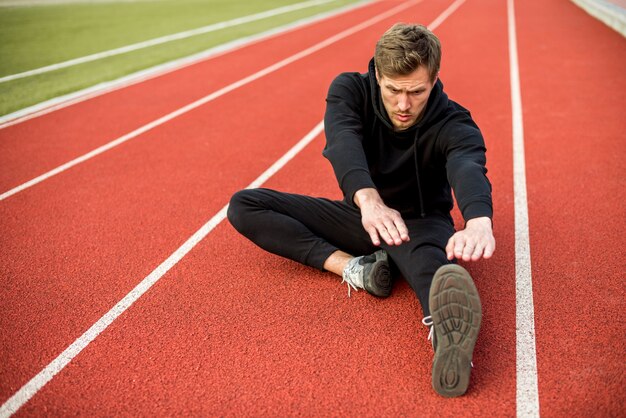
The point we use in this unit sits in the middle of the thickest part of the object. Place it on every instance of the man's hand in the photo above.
(474, 242)
(379, 220)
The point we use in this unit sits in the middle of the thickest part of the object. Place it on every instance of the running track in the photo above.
(230, 330)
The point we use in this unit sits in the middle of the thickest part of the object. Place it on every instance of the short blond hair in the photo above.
(404, 48)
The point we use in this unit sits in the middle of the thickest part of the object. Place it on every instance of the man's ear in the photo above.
(377, 75)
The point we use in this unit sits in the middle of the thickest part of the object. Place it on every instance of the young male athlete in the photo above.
(398, 146)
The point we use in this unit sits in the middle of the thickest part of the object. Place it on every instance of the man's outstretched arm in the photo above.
(379, 220)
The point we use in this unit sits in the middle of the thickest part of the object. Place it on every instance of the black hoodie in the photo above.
(412, 169)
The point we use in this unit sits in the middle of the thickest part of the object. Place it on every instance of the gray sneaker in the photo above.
(456, 316)
(369, 272)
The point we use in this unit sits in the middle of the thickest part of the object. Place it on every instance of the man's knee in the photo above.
(430, 254)
(241, 203)
(425, 260)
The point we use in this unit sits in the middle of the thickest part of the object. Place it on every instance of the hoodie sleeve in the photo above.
(465, 150)
(343, 125)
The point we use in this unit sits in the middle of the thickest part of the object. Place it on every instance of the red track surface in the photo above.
(231, 330)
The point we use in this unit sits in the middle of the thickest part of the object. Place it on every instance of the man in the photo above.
(397, 145)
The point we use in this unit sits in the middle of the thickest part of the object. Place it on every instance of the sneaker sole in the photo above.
(378, 282)
(456, 313)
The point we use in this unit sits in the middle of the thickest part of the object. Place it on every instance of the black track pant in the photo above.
(308, 230)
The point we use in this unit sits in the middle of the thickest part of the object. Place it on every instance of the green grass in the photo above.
(36, 36)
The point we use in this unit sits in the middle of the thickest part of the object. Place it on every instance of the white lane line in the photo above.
(69, 99)
(27, 391)
(43, 377)
(446, 13)
(210, 97)
(168, 38)
(527, 393)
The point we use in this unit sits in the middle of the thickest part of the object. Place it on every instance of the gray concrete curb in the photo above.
(609, 13)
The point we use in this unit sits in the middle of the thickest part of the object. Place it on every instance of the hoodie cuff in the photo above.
(477, 210)
(354, 181)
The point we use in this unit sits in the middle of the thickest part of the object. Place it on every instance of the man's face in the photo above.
(405, 96)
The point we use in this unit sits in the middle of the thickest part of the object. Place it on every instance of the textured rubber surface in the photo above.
(456, 313)
(185, 349)
(378, 281)
(575, 157)
(280, 339)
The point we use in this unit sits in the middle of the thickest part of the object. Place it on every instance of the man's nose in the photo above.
(403, 102)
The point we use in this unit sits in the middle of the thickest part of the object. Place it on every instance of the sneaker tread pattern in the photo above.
(457, 314)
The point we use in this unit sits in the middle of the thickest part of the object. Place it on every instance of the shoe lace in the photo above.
(349, 272)
(428, 321)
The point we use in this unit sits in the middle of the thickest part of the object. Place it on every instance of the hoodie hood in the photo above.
(437, 102)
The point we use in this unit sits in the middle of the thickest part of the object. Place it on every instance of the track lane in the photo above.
(90, 222)
(38, 145)
(572, 76)
(174, 340)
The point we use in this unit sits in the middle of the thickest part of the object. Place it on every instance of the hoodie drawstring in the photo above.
(417, 175)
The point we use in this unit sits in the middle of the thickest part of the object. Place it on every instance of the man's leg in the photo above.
(448, 290)
(302, 228)
(419, 259)
(316, 232)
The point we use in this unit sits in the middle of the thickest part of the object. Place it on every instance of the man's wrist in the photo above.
(483, 221)
(366, 195)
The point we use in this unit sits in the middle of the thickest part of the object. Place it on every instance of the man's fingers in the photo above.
(403, 230)
(388, 224)
(373, 233)
(478, 252)
(468, 247)
(459, 247)
(468, 250)
(459, 244)
(450, 248)
(489, 249)
(393, 233)
(384, 234)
